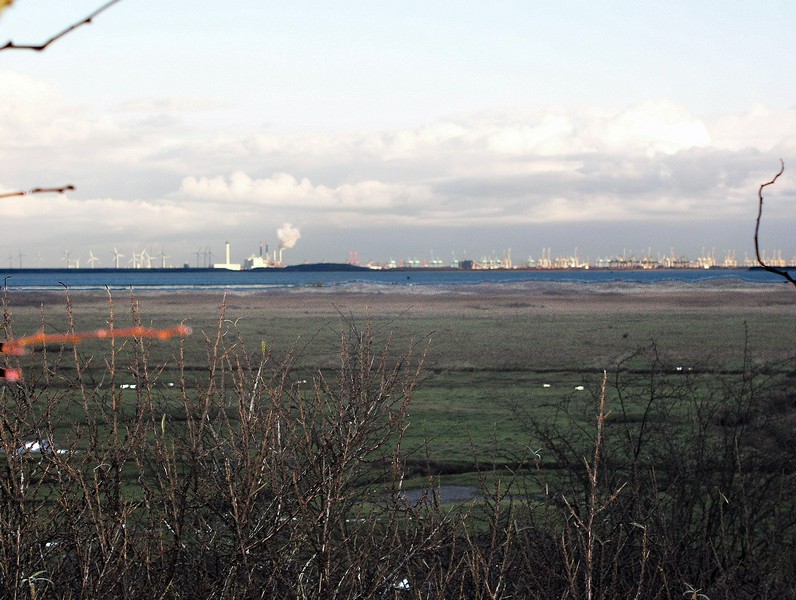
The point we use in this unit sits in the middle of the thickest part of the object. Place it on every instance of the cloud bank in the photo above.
(148, 175)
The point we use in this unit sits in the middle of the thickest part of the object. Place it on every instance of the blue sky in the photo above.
(398, 129)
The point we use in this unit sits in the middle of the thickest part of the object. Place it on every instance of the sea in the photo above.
(265, 279)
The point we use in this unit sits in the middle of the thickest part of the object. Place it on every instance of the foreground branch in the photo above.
(10, 45)
(59, 190)
(780, 272)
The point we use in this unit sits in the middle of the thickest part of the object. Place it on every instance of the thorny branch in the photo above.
(780, 272)
(38, 190)
(10, 45)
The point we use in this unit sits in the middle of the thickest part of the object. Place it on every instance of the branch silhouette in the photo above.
(10, 45)
(780, 272)
(38, 190)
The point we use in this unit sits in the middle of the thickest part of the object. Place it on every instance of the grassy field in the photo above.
(575, 329)
(274, 449)
(494, 359)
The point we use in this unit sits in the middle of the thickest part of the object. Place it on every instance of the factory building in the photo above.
(228, 265)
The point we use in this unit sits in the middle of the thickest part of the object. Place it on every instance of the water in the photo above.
(210, 279)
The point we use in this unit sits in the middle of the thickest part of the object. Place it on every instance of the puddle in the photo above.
(445, 493)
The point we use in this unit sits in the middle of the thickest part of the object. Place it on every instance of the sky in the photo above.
(397, 130)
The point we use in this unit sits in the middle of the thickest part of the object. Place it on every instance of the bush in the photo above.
(253, 480)
(680, 494)
(250, 479)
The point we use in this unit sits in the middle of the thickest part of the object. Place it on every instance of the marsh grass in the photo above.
(236, 469)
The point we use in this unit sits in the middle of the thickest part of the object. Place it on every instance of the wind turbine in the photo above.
(92, 259)
(146, 260)
(135, 261)
(163, 258)
(116, 257)
(66, 258)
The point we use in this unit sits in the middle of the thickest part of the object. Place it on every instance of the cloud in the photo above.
(26, 100)
(143, 173)
(761, 128)
(165, 105)
(652, 129)
(648, 129)
(536, 166)
(283, 189)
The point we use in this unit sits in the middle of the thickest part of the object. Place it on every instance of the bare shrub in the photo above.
(679, 492)
(253, 483)
(127, 477)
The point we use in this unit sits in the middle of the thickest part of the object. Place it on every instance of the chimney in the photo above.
(228, 261)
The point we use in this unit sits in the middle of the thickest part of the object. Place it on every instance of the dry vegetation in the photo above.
(251, 473)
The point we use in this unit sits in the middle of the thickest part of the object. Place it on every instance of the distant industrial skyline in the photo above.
(545, 257)
(396, 130)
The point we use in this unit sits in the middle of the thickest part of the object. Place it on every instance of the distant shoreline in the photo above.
(710, 292)
(346, 268)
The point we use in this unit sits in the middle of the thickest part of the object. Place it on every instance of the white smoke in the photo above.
(288, 236)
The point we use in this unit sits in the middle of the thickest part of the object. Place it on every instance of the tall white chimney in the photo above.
(228, 261)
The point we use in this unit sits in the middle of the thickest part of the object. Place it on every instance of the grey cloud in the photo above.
(537, 178)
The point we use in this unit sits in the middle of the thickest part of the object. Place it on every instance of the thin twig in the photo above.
(770, 269)
(37, 190)
(10, 45)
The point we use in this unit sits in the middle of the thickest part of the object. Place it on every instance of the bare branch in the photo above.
(780, 272)
(59, 190)
(10, 45)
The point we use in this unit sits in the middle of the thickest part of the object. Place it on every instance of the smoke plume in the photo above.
(288, 236)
